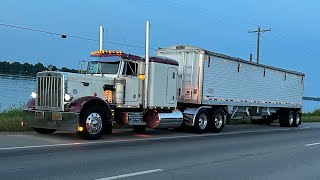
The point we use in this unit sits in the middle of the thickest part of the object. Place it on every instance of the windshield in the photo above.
(103, 67)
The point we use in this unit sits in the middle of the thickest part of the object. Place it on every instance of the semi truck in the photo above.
(180, 86)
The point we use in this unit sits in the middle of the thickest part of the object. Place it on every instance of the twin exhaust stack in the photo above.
(153, 118)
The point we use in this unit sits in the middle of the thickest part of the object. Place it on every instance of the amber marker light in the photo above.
(142, 77)
(80, 128)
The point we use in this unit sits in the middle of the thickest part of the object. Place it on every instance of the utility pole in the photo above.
(259, 32)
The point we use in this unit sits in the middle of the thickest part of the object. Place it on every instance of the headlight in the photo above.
(67, 97)
(33, 95)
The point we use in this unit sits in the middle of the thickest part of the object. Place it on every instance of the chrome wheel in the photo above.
(291, 118)
(218, 121)
(203, 121)
(298, 119)
(94, 123)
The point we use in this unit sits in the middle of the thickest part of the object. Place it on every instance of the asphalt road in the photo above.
(239, 152)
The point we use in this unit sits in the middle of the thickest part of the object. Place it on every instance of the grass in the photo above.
(313, 116)
(11, 118)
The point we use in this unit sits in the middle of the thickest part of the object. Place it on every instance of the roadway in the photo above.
(239, 152)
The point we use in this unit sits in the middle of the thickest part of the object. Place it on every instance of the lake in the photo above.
(17, 91)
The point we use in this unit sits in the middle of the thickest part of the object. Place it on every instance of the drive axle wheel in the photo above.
(93, 121)
(44, 131)
(201, 121)
(217, 121)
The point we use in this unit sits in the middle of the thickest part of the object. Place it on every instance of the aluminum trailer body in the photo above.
(240, 88)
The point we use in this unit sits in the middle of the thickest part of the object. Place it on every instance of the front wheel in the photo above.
(44, 131)
(93, 120)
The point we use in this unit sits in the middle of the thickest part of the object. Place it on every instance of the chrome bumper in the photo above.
(66, 120)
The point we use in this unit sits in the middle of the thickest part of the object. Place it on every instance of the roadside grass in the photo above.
(11, 118)
(313, 116)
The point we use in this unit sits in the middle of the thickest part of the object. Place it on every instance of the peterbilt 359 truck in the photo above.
(186, 86)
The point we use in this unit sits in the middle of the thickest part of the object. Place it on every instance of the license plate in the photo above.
(135, 118)
(39, 115)
(56, 116)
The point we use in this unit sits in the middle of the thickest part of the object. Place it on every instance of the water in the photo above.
(15, 91)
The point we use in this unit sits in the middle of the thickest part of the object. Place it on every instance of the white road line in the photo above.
(313, 144)
(146, 139)
(131, 174)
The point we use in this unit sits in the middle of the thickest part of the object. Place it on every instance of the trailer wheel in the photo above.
(217, 121)
(44, 131)
(93, 121)
(286, 118)
(297, 119)
(201, 121)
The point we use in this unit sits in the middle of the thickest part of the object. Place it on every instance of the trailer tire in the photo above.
(139, 128)
(297, 119)
(217, 121)
(44, 131)
(286, 118)
(93, 120)
(201, 121)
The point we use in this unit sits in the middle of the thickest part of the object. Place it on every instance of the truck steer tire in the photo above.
(93, 120)
(44, 131)
(139, 128)
(297, 119)
(286, 118)
(201, 121)
(216, 121)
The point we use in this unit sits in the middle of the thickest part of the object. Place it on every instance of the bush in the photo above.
(11, 118)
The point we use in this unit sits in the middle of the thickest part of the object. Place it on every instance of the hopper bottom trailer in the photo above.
(214, 88)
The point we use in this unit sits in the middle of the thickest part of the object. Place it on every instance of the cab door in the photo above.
(171, 85)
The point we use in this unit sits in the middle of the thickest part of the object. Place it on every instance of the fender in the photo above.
(77, 105)
(31, 104)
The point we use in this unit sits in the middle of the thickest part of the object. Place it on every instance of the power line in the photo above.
(67, 35)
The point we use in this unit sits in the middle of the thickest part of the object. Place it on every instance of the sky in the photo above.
(219, 26)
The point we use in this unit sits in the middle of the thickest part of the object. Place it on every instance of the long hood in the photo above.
(86, 78)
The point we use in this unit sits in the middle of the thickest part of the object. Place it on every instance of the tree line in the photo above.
(27, 69)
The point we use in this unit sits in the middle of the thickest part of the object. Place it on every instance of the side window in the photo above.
(130, 68)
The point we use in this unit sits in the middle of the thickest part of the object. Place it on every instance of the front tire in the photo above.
(44, 131)
(93, 120)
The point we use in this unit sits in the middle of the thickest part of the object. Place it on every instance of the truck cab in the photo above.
(112, 89)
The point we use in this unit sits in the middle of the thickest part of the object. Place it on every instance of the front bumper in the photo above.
(67, 120)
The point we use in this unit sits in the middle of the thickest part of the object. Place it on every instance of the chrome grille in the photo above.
(50, 92)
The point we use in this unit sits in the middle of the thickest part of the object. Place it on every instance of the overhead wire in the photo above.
(66, 35)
